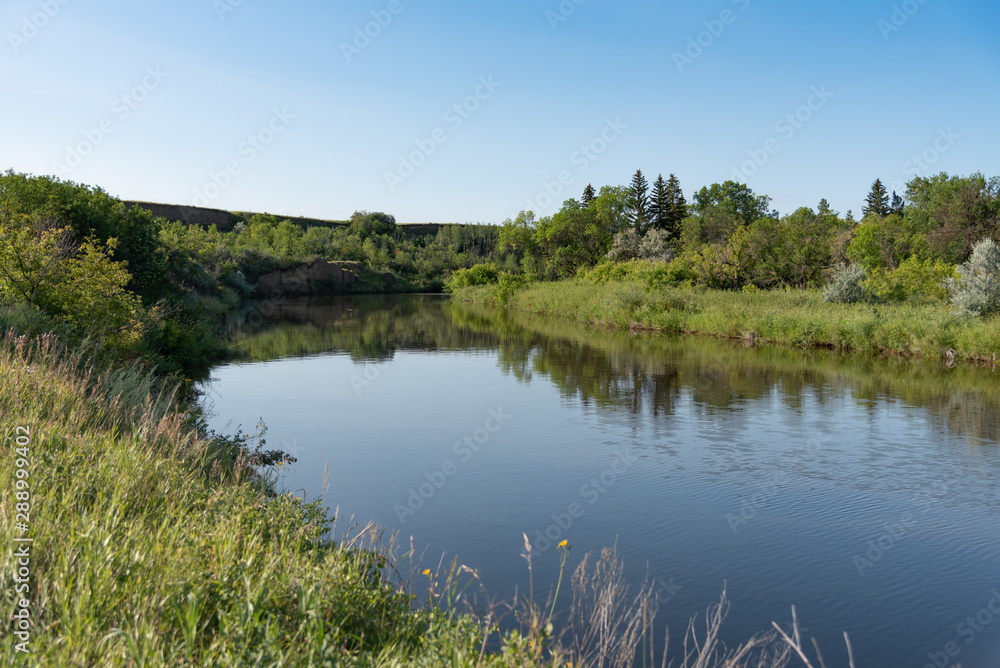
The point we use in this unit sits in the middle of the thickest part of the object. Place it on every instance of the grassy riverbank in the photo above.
(152, 546)
(784, 317)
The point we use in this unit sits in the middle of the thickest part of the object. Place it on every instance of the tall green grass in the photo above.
(148, 552)
(788, 317)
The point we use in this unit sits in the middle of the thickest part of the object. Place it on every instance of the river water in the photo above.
(864, 492)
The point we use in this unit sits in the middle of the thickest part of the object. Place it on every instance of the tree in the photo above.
(678, 206)
(588, 195)
(366, 224)
(81, 286)
(660, 205)
(571, 239)
(612, 207)
(877, 202)
(639, 202)
(955, 212)
(897, 207)
(734, 198)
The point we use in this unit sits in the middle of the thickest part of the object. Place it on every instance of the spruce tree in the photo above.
(639, 216)
(897, 205)
(877, 202)
(678, 207)
(660, 205)
(588, 195)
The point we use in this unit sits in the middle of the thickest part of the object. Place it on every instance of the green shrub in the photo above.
(976, 291)
(481, 274)
(913, 280)
(507, 285)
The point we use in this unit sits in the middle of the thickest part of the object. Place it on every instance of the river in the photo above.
(862, 491)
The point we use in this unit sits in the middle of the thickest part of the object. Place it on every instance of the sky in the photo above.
(471, 112)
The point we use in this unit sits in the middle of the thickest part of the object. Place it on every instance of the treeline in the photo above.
(729, 237)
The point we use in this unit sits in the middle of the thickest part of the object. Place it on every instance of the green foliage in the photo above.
(976, 290)
(955, 212)
(90, 213)
(913, 280)
(81, 287)
(735, 199)
(652, 274)
(481, 274)
(883, 243)
(507, 285)
(366, 224)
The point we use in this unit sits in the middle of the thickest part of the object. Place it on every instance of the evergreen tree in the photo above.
(897, 205)
(678, 207)
(639, 196)
(588, 195)
(824, 207)
(660, 205)
(877, 202)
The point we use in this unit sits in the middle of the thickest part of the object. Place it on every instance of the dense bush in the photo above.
(653, 246)
(913, 280)
(481, 274)
(848, 285)
(976, 291)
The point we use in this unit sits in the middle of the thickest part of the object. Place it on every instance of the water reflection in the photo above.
(635, 373)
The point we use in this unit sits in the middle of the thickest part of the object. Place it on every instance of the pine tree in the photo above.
(897, 207)
(824, 207)
(660, 205)
(877, 202)
(678, 207)
(588, 195)
(639, 216)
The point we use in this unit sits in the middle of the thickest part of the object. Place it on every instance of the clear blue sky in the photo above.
(330, 123)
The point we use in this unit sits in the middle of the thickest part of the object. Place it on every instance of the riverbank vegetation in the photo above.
(915, 276)
(79, 262)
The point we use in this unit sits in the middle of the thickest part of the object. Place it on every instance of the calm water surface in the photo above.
(863, 492)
